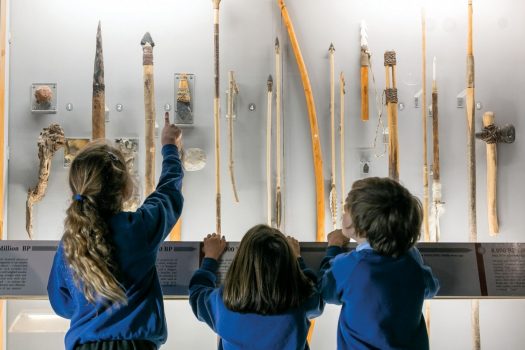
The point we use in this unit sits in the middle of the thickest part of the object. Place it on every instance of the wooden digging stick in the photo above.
(424, 116)
(333, 190)
(269, 84)
(149, 107)
(365, 64)
(342, 93)
(437, 206)
(99, 91)
(391, 100)
(278, 139)
(471, 170)
(314, 129)
(216, 119)
(493, 135)
(51, 139)
(232, 91)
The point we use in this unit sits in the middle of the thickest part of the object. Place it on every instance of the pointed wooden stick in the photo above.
(278, 137)
(471, 158)
(426, 228)
(342, 93)
(232, 91)
(216, 115)
(437, 207)
(312, 117)
(149, 111)
(269, 84)
(99, 91)
(333, 190)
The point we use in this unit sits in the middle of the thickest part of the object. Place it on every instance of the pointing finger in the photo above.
(167, 118)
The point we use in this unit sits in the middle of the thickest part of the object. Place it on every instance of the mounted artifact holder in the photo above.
(493, 135)
(184, 83)
(43, 98)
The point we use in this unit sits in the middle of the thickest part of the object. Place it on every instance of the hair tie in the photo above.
(78, 198)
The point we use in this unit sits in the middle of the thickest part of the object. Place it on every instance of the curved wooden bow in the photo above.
(312, 116)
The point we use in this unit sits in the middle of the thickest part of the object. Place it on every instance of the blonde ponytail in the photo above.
(100, 184)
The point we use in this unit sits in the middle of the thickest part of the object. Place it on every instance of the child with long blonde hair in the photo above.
(103, 276)
(268, 297)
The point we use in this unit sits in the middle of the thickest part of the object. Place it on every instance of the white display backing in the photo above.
(54, 41)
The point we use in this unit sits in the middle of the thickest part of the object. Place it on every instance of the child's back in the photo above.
(103, 276)
(266, 302)
(381, 289)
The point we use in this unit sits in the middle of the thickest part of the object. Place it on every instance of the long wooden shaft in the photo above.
(492, 179)
(278, 137)
(471, 170)
(3, 34)
(312, 117)
(3, 37)
(436, 179)
(231, 94)
(333, 190)
(342, 93)
(426, 228)
(393, 143)
(216, 120)
(149, 112)
(435, 133)
(269, 151)
(99, 91)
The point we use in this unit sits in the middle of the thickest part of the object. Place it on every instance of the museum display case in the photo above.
(298, 100)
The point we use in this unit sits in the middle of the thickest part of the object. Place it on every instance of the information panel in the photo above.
(464, 270)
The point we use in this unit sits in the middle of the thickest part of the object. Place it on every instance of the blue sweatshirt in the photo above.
(382, 298)
(252, 331)
(136, 237)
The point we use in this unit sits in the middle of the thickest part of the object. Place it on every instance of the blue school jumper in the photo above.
(382, 298)
(286, 331)
(136, 238)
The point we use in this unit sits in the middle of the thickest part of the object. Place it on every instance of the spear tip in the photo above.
(146, 39)
(331, 48)
(277, 45)
(269, 83)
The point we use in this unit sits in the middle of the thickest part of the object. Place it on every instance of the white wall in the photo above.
(54, 41)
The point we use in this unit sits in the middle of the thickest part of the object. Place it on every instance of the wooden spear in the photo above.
(278, 123)
(437, 206)
(471, 170)
(216, 117)
(269, 84)
(99, 91)
(149, 107)
(232, 91)
(365, 63)
(391, 100)
(333, 190)
(424, 116)
(342, 93)
(314, 129)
